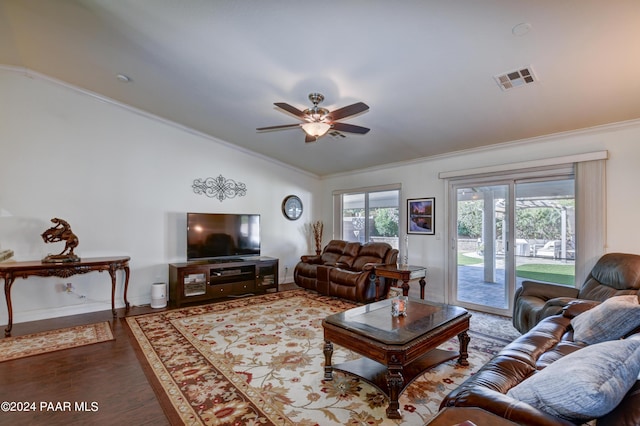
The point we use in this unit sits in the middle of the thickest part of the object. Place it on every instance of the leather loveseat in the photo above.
(305, 274)
(345, 270)
(548, 342)
(614, 274)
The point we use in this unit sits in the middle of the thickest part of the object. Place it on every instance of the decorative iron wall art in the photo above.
(220, 188)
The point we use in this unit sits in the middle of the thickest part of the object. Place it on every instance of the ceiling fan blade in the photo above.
(309, 138)
(348, 110)
(293, 110)
(350, 128)
(284, 126)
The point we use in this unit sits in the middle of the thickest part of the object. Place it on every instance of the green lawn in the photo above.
(554, 273)
(467, 260)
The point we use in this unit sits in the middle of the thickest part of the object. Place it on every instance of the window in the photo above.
(368, 214)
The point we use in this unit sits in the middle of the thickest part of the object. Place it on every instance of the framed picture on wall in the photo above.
(421, 216)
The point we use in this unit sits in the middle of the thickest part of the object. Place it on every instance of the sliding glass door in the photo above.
(481, 248)
(509, 231)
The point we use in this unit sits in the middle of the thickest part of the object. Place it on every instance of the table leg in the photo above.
(464, 339)
(377, 288)
(405, 288)
(423, 283)
(328, 353)
(126, 286)
(112, 272)
(395, 381)
(8, 282)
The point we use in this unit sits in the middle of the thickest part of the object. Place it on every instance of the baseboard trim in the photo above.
(63, 311)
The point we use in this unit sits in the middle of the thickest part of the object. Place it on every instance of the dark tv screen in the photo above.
(222, 235)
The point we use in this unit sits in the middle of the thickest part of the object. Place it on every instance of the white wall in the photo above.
(420, 179)
(123, 182)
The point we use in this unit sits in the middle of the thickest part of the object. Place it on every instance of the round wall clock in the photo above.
(292, 207)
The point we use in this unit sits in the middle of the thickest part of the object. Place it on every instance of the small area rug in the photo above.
(54, 340)
(259, 361)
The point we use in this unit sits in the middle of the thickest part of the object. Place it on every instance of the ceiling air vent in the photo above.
(516, 78)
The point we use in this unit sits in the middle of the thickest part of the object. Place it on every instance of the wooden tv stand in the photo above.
(207, 280)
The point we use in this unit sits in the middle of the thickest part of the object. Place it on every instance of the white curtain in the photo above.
(591, 210)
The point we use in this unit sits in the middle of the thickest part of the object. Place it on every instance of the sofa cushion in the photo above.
(371, 253)
(611, 320)
(349, 255)
(585, 384)
(332, 251)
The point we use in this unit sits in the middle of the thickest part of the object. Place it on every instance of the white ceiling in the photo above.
(424, 67)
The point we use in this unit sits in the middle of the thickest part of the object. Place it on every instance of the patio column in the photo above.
(563, 234)
(489, 236)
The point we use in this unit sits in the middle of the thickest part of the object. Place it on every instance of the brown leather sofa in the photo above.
(355, 280)
(545, 343)
(614, 274)
(345, 270)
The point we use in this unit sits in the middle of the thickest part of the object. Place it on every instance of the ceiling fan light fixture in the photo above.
(316, 129)
(317, 121)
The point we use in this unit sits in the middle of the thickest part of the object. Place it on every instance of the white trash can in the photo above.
(158, 295)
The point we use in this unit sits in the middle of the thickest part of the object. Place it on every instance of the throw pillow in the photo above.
(585, 384)
(610, 320)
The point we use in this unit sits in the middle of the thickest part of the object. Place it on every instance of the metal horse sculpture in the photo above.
(61, 232)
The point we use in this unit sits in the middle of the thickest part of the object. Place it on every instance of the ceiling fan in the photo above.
(317, 121)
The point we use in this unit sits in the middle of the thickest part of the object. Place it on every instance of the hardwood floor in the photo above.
(107, 373)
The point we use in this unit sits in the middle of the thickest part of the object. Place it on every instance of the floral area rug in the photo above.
(54, 340)
(494, 327)
(259, 361)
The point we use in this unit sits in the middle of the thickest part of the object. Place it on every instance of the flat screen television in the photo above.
(222, 235)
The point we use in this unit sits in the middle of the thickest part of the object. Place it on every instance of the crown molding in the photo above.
(518, 142)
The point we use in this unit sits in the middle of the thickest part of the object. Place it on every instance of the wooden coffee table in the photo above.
(396, 350)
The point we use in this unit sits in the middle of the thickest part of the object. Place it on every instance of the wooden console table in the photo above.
(403, 273)
(12, 270)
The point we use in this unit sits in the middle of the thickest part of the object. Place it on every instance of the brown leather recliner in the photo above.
(614, 274)
(354, 279)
